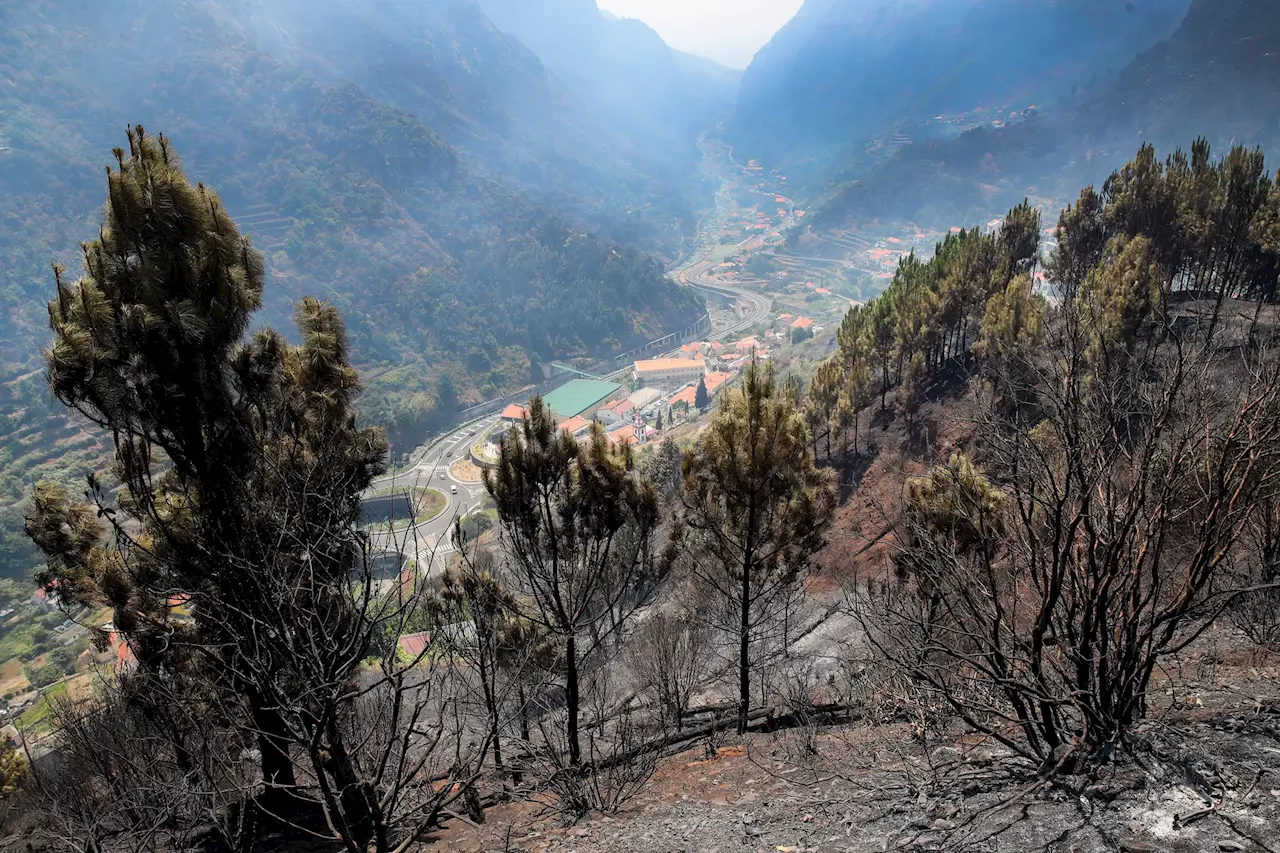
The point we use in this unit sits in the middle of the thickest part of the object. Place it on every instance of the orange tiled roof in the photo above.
(668, 364)
(622, 437)
(575, 424)
(688, 396)
(515, 412)
(124, 658)
(714, 380)
(802, 323)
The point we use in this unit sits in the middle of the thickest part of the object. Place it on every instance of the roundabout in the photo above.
(401, 507)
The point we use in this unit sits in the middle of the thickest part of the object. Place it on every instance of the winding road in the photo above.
(429, 542)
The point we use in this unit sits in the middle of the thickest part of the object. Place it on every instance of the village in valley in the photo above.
(663, 394)
(776, 292)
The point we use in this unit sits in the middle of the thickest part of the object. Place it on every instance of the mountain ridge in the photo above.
(1212, 77)
(453, 282)
(845, 72)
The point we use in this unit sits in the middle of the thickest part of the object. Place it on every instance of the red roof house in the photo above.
(413, 645)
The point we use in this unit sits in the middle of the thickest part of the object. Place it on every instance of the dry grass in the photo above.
(465, 471)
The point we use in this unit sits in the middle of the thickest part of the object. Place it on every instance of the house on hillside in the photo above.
(514, 413)
(669, 372)
(413, 645)
(123, 661)
(576, 426)
(616, 412)
(630, 434)
(684, 399)
(715, 380)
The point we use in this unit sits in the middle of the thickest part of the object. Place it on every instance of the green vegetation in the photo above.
(755, 510)
(260, 436)
(27, 636)
(452, 283)
(580, 523)
(59, 663)
(476, 524)
(35, 720)
(13, 770)
(1120, 491)
(1187, 224)
(1123, 483)
(431, 503)
(701, 399)
(930, 314)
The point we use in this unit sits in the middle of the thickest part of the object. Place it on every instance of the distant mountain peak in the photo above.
(843, 73)
(1216, 76)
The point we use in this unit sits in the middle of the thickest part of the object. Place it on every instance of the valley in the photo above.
(479, 425)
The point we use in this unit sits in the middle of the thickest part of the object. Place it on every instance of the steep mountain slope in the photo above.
(622, 66)
(451, 281)
(846, 71)
(1217, 76)
(488, 94)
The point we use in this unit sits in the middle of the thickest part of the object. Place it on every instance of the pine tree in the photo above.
(1012, 327)
(477, 620)
(856, 392)
(955, 500)
(881, 335)
(910, 389)
(1117, 297)
(13, 771)
(663, 469)
(1082, 238)
(1019, 241)
(577, 523)
(820, 405)
(701, 399)
(234, 455)
(755, 508)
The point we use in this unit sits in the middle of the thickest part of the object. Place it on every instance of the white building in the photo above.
(669, 372)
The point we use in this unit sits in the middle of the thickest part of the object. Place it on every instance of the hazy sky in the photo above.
(728, 31)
